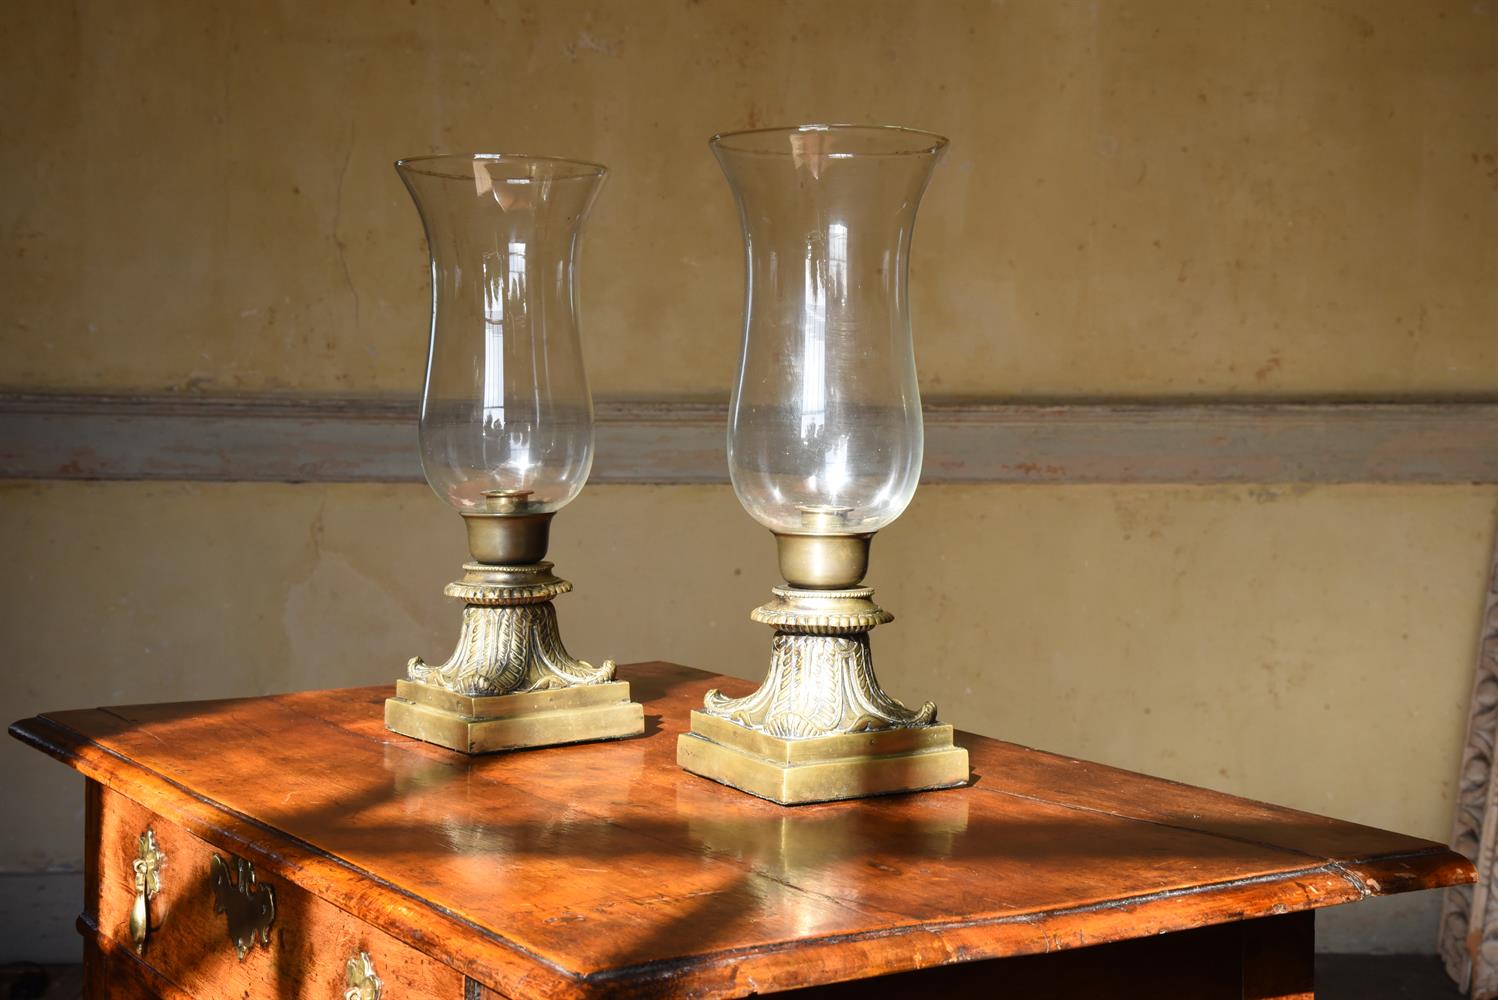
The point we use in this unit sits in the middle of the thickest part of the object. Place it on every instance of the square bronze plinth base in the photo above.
(484, 724)
(824, 768)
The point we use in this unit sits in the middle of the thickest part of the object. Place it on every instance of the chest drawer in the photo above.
(304, 950)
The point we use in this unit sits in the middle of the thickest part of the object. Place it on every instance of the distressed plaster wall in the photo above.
(1306, 646)
(1143, 199)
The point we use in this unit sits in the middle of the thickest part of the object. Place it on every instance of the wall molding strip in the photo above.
(291, 439)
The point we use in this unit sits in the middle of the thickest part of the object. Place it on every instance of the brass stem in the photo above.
(515, 538)
(823, 562)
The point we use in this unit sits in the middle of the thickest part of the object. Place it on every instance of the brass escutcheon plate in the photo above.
(249, 905)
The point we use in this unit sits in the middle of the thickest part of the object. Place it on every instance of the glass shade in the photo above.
(825, 431)
(506, 416)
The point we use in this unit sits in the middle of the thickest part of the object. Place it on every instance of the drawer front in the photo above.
(305, 952)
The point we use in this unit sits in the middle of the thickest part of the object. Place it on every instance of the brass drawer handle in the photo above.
(363, 984)
(147, 866)
(249, 905)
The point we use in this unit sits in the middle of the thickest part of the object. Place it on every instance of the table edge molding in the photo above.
(281, 438)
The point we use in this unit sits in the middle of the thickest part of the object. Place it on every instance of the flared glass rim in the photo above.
(898, 140)
(561, 168)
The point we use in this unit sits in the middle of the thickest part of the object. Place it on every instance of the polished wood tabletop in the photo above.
(605, 868)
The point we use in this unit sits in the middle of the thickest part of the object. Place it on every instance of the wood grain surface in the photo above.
(189, 944)
(604, 869)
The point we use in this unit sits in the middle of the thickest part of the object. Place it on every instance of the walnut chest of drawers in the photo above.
(290, 846)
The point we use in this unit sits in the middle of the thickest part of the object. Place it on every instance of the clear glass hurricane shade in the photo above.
(505, 410)
(825, 431)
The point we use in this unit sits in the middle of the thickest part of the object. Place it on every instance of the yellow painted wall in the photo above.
(1143, 198)
(1306, 646)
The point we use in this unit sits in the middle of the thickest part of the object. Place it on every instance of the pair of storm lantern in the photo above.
(824, 449)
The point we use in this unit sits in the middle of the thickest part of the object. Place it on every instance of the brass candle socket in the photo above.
(510, 683)
(820, 727)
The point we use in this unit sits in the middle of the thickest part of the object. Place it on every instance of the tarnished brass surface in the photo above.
(817, 562)
(822, 612)
(249, 906)
(820, 749)
(147, 867)
(485, 724)
(507, 538)
(505, 584)
(507, 706)
(509, 642)
(820, 727)
(821, 680)
(509, 650)
(510, 683)
(818, 685)
(823, 769)
(363, 983)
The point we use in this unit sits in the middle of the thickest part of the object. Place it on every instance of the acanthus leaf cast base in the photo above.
(820, 727)
(510, 683)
